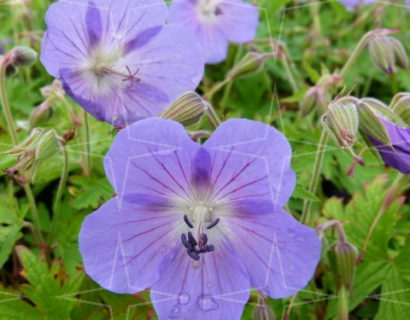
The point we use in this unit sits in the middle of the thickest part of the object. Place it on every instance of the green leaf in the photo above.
(358, 216)
(91, 192)
(301, 193)
(16, 309)
(47, 289)
(8, 237)
(394, 298)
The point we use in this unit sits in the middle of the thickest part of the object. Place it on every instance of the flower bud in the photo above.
(342, 122)
(22, 56)
(40, 114)
(48, 146)
(188, 109)
(344, 256)
(37, 147)
(400, 105)
(263, 311)
(369, 121)
(382, 53)
(400, 53)
(315, 98)
(250, 63)
(28, 144)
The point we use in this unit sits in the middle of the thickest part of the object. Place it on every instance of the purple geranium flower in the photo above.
(353, 4)
(398, 154)
(216, 22)
(117, 59)
(199, 225)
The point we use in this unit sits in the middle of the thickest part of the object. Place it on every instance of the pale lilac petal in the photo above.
(279, 253)
(130, 17)
(182, 66)
(151, 156)
(126, 250)
(251, 160)
(119, 106)
(216, 289)
(69, 34)
(239, 20)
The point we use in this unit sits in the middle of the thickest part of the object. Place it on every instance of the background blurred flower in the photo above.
(353, 4)
(199, 224)
(214, 23)
(117, 59)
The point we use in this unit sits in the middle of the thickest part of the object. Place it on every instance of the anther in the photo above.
(185, 241)
(213, 224)
(210, 248)
(191, 240)
(193, 254)
(186, 219)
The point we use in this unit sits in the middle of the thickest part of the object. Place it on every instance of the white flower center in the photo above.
(106, 69)
(208, 10)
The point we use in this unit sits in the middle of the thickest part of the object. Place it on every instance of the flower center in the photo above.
(208, 10)
(200, 218)
(107, 70)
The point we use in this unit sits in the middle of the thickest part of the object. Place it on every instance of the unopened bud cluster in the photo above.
(387, 53)
(39, 146)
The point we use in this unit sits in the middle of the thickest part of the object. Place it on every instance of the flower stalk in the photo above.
(314, 182)
(360, 46)
(61, 187)
(86, 154)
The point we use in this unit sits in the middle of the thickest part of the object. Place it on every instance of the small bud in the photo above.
(263, 311)
(400, 53)
(345, 256)
(369, 121)
(342, 122)
(250, 63)
(22, 56)
(315, 98)
(382, 53)
(40, 114)
(188, 109)
(47, 146)
(28, 144)
(400, 105)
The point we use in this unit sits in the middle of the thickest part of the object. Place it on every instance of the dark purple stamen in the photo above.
(193, 255)
(185, 241)
(186, 219)
(191, 240)
(193, 247)
(210, 248)
(212, 224)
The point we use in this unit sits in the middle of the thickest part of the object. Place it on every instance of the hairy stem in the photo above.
(314, 182)
(60, 190)
(343, 304)
(86, 154)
